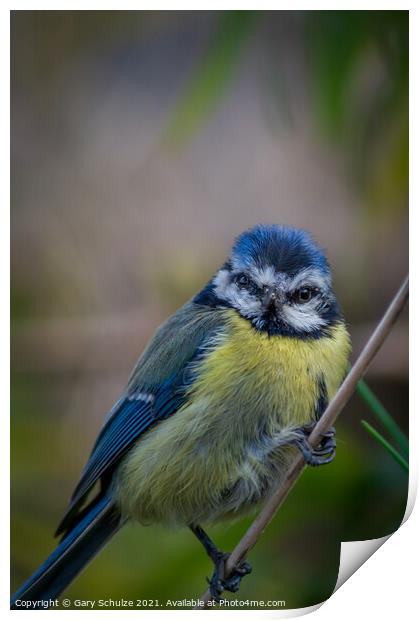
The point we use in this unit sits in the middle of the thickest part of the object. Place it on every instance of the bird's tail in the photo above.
(73, 553)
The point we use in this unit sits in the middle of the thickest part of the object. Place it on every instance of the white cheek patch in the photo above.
(221, 282)
(240, 299)
(304, 317)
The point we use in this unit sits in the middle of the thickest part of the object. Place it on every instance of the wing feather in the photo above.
(177, 345)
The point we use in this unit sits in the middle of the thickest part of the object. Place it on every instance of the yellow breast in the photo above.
(248, 386)
(254, 375)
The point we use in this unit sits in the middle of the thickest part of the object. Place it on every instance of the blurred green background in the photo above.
(142, 143)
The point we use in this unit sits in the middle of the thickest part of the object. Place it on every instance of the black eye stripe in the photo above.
(304, 294)
(242, 280)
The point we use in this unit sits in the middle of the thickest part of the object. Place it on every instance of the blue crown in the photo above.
(287, 249)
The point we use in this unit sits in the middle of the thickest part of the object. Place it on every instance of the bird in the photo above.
(219, 403)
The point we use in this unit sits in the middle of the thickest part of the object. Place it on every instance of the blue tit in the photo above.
(225, 393)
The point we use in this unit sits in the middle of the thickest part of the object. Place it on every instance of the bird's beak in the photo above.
(272, 301)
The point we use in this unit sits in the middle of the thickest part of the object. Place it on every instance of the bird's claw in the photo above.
(323, 453)
(231, 583)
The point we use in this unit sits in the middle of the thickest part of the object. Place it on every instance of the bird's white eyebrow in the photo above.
(265, 276)
(268, 276)
(313, 277)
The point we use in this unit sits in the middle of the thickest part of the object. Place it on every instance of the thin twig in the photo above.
(327, 420)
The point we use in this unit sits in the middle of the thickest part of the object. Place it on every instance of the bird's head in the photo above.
(279, 279)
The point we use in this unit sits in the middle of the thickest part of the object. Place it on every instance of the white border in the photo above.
(171, 5)
(386, 585)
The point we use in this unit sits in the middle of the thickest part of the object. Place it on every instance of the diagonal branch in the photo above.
(342, 396)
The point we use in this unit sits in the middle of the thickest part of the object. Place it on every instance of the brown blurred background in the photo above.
(142, 144)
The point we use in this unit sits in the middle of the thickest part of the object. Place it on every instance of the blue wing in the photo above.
(129, 419)
(144, 404)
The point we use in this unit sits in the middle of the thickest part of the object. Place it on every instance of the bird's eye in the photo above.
(242, 280)
(304, 295)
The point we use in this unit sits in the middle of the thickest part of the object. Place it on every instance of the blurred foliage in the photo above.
(69, 34)
(354, 104)
(386, 445)
(349, 104)
(389, 423)
(212, 76)
(338, 44)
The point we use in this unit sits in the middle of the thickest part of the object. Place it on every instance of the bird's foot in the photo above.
(323, 453)
(218, 583)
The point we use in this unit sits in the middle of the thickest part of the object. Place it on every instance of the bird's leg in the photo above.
(217, 582)
(323, 453)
